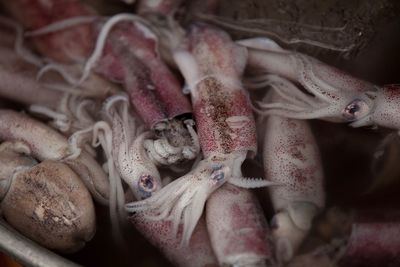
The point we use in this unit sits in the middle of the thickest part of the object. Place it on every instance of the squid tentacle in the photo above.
(101, 39)
(61, 25)
(288, 90)
(251, 182)
(307, 78)
(305, 114)
(19, 48)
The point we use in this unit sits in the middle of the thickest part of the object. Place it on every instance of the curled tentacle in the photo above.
(101, 39)
(19, 48)
(74, 113)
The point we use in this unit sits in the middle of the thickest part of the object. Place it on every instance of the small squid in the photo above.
(212, 66)
(143, 178)
(330, 94)
(291, 157)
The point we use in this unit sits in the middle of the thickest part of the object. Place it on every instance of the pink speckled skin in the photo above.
(387, 107)
(238, 230)
(374, 240)
(159, 233)
(131, 58)
(69, 45)
(119, 64)
(129, 39)
(291, 157)
(219, 97)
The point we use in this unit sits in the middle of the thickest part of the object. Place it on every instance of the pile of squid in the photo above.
(106, 105)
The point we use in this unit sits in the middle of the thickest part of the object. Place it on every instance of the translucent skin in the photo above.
(69, 45)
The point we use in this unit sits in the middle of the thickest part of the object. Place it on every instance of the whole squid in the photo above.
(291, 158)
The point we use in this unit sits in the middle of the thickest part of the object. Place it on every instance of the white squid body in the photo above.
(291, 157)
(238, 229)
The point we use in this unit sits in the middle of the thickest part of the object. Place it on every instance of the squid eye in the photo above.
(146, 185)
(356, 110)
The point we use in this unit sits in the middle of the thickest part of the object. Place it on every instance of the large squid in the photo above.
(330, 94)
(212, 66)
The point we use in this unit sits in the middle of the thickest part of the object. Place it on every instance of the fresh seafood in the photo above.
(332, 95)
(291, 157)
(238, 229)
(212, 65)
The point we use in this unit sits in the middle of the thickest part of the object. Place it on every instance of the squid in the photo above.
(45, 143)
(212, 66)
(143, 178)
(291, 157)
(45, 201)
(329, 93)
(131, 58)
